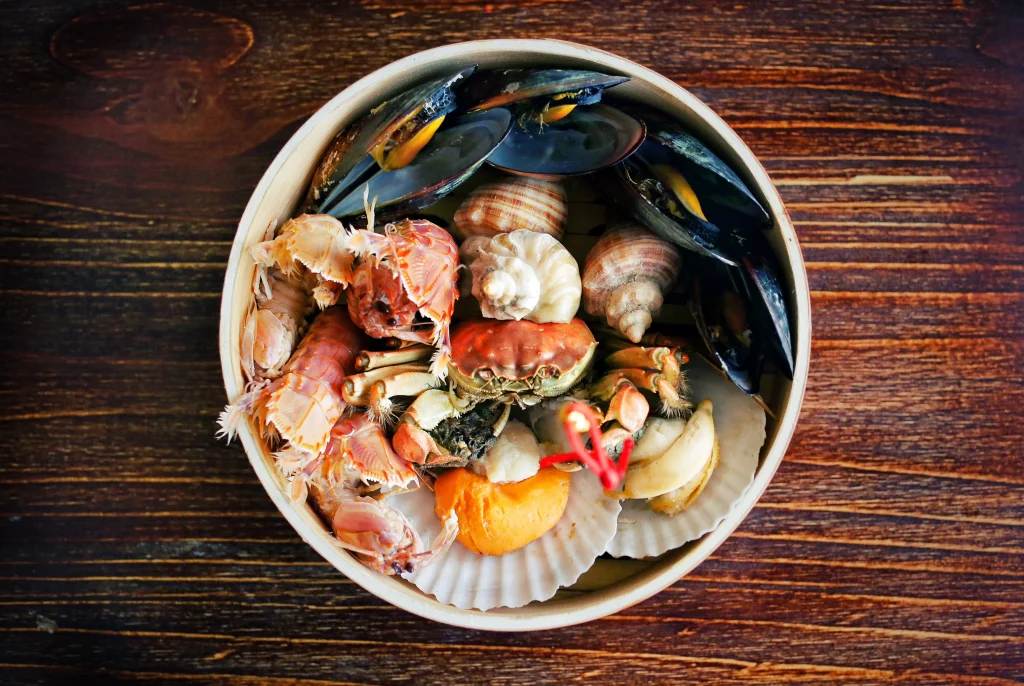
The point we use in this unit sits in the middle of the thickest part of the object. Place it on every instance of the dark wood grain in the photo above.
(136, 548)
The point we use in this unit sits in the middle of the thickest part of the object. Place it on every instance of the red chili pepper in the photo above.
(596, 460)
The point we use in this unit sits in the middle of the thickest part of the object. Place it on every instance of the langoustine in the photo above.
(377, 534)
(303, 404)
(401, 283)
(358, 453)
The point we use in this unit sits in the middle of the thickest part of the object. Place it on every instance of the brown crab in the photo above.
(493, 365)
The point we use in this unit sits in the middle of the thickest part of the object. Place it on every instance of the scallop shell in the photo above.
(513, 205)
(625, 277)
(526, 275)
(534, 572)
(740, 430)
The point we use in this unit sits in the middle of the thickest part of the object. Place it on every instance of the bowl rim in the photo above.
(620, 595)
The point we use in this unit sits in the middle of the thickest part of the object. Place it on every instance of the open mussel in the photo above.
(455, 152)
(560, 129)
(720, 312)
(684, 192)
(389, 137)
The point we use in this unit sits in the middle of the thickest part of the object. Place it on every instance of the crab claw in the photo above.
(417, 446)
(440, 429)
(628, 407)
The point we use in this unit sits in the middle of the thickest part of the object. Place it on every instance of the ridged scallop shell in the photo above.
(535, 572)
(625, 277)
(740, 429)
(512, 205)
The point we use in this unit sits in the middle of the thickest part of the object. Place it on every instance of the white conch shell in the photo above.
(470, 248)
(512, 205)
(625, 277)
(657, 471)
(526, 275)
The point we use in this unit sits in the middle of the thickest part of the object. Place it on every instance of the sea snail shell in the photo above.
(625, 277)
(513, 205)
(526, 275)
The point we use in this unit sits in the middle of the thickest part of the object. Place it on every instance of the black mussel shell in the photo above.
(719, 308)
(741, 314)
(504, 87)
(768, 304)
(455, 152)
(344, 164)
(587, 140)
(729, 215)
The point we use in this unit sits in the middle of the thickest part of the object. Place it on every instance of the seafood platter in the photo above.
(518, 322)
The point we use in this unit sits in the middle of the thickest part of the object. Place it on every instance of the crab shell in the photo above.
(526, 360)
(408, 270)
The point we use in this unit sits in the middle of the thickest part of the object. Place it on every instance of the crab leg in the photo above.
(669, 389)
(499, 425)
(608, 385)
(646, 358)
(356, 390)
(432, 407)
(405, 383)
(374, 359)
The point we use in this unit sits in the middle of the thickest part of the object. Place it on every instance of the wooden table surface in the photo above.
(136, 547)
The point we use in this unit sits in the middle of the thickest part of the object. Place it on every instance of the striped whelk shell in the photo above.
(625, 277)
(512, 205)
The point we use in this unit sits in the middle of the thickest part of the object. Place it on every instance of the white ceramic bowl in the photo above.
(284, 185)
